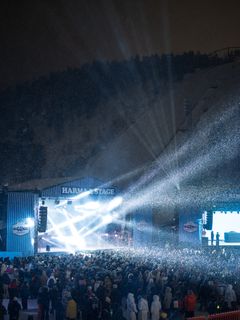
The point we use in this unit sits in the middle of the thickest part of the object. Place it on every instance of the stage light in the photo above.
(107, 219)
(30, 222)
(114, 203)
(92, 205)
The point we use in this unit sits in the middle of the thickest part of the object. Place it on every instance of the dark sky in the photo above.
(49, 35)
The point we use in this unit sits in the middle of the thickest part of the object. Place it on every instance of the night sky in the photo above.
(38, 37)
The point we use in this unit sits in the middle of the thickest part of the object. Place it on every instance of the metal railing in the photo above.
(232, 315)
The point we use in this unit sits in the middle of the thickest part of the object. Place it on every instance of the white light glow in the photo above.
(114, 203)
(30, 222)
(107, 219)
(225, 222)
(92, 205)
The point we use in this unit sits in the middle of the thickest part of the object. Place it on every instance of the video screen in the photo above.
(225, 227)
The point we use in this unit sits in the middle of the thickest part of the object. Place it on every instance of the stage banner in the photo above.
(190, 227)
(142, 228)
(21, 222)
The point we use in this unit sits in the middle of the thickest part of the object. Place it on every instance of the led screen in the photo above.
(227, 225)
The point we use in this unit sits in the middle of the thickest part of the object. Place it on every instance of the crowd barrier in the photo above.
(233, 315)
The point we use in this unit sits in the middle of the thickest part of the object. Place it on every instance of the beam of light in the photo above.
(50, 241)
(72, 227)
(165, 160)
(114, 203)
(219, 147)
(91, 205)
(30, 222)
(104, 221)
(59, 234)
(74, 220)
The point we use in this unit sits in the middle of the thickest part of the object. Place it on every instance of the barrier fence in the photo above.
(233, 315)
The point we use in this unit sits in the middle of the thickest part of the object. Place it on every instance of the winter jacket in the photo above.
(190, 302)
(230, 296)
(155, 308)
(167, 298)
(131, 307)
(143, 309)
(71, 312)
(13, 310)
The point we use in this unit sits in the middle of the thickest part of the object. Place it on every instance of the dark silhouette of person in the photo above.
(14, 308)
(212, 237)
(217, 239)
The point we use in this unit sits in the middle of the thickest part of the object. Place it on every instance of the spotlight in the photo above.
(30, 222)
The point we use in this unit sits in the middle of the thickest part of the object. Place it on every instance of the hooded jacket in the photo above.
(155, 308)
(190, 302)
(143, 309)
(167, 298)
(131, 307)
(230, 296)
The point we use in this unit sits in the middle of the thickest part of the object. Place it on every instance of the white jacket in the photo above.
(230, 295)
(155, 308)
(143, 309)
(131, 307)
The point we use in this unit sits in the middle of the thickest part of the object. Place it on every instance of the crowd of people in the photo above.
(122, 284)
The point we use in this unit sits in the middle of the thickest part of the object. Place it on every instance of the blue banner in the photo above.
(142, 228)
(190, 227)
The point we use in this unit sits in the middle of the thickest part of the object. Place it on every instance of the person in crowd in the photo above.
(14, 308)
(212, 237)
(143, 309)
(59, 311)
(53, 296)
(156, 308)
(71, 312)
(24, 295)
(6, 282)
(217, 239)
(131, 307)
(106, 313)
(167, 301)
(230, 297)
(13, 289)
(3, 311)
(190, 302)
(43, 304)
(90, 305)
(102, 280)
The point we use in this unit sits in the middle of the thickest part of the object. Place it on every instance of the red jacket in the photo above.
(190, 302)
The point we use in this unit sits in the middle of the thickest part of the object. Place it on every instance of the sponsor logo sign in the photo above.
(190, 227)
(96, 191)
(20, 229)
(142, 225)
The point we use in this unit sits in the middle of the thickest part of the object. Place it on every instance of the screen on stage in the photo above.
(225, 227)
